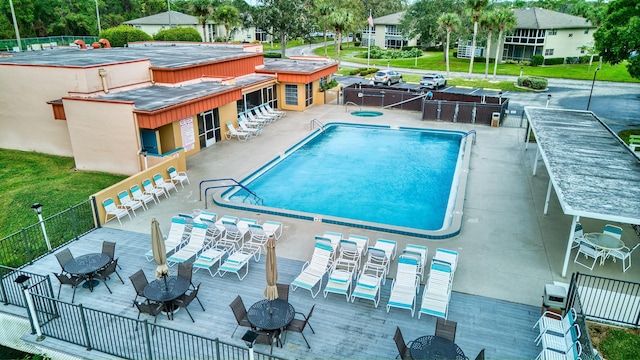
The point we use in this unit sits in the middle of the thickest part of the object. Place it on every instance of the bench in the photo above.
(634, 141)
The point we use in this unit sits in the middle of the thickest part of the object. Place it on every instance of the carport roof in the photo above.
(593, 172)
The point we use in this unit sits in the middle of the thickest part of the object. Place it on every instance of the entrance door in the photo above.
(209, 128)
(149, 141)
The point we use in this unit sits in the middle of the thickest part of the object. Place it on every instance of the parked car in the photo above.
(387, 77)
(433, 81)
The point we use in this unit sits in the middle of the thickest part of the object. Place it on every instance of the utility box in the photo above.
(495, 119)
(555, 297)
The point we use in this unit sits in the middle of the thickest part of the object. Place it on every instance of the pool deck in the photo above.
(508, 249)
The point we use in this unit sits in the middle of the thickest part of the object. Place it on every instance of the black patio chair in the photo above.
(403, 350)
(298, 325)
(72, 280)
(480, 355)
(269, 337)
(446, 329)
(109, 249)
(185, 270)
(283, 291)
(240, 312)
(64, 256)
(103, 274)
(153, 309)
(186, 299)
(139, 281)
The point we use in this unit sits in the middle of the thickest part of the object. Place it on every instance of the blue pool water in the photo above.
(364, 175)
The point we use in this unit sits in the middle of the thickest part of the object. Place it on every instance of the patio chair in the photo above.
(255, 114)
(114, 211)
(622, 254)
(405, 286)
(240, 313)
(447, 256)
(232, 234)
(423, 252)
(349, 252)
(109, 249)
(254, 131)
(555, 323)
(104, 273)
(313, 271)
(206, 215)
(151, 189)
(233, 132)
(446, 329)
(389, 247)
(167, 185)
(573, 354)
(612, 230)
(340, 278)
(258, 236)
(153, 309)
(186, 299)
(361, 241)
(129, 203)
(274, 111)
(138, 195)
(185, 270)
(176, 237)
(273, 228)
(195, 244)
(64, 256)
(578, 235)
(139, 281)
(404, 351)
(377, 258)
(562, 343)
(368, 284)
(71, 280)
(268, 337)
(254, 123)
(335, 238)
(265, 113)
(298, 325)
(235, 263)
(243, 225)
(213, 231)
(256, 119)
(178, 176)
(589, 251)
(283, 291)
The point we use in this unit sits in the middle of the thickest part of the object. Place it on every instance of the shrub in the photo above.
(455, 54)
(537, 60)
(533, 82)
(122, 35)
(272, 55)
(573, 60)
(584, 59)
(178, 34)
(554, 61)
(353, 72)
(357, 43)
(331, 84)
(365, 71)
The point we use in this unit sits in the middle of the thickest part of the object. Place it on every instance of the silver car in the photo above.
(433, 81)
(387, 77)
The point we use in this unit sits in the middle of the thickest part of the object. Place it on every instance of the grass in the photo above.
(435, 61)
(615, 343)
(30, 177)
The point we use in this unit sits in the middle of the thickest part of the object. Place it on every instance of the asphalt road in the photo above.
(617, 104)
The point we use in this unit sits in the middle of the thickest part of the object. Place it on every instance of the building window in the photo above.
(548, 52)
(586, 31)
(291, 94)
(392, 30)
(261, 35)
(571, 35)
(308, 94)
(553, 32)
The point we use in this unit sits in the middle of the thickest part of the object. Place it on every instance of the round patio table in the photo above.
(604, 241)
(86, 266)
(431, 347)
(166, 291)
(271, 315)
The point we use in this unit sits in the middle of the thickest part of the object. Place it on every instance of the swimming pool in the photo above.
(409, 181)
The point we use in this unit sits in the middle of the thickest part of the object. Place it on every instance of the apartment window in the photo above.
(553, 32)
(392, 30)
(571, 35)
(548, 52)
(308, 94)
(291, 94)
(586, 31)
(261, 35)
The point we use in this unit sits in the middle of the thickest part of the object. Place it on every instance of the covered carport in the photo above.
(593, 172)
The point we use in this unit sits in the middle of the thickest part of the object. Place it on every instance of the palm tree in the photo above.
(322, 9)
(506, 21)
(476, 7)
(344, 18)
(202, 9)
(489, 21)
(448, 22)
(229, 16)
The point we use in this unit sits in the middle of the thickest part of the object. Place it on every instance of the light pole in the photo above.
(144, 153)
(592, 83)
(388, 64)
(521, 68)
(98, 16)
(548, 99)
(500, 98)
(37, 207)
(250, 338)
(23, 280)
(15, 25)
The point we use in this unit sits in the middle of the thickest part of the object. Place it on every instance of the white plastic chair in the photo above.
(437, 291)
(623, 254)
(368, 285)
(208, 258)
(578, 235)
(176, 237)
(166, 185)
(196, 243)
(150, 189)
(589, 251)
(233, 132)
(114, 211)
(612, 230)
(178, 176)
(235, 263)
(405, 286)
(129, 203)
(555, 323)
(313, 271)
(137, 194)
(340, 278)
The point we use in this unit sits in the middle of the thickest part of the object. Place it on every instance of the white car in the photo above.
(433, 81)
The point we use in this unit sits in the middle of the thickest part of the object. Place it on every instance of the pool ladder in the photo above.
(471, 132)
(351, 103)
(316, 122)
(258, 199)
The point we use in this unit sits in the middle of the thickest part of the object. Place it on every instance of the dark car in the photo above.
(387, 77)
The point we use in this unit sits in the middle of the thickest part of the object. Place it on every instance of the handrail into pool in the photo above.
(317, 123)
(236, 183)
(474, 135)
(351, 103)
(405, 101)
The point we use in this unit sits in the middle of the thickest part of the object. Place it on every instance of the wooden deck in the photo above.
(342, 330)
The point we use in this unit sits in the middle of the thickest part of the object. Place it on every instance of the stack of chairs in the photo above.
(178, 233)
(406, 284)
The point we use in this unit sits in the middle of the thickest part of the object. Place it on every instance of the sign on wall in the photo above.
(188, 135)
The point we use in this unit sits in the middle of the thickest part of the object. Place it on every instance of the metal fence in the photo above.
(588, 353)
(29, 244)
(49, 41)
(126, 337)
(12, 293)
(607, 300)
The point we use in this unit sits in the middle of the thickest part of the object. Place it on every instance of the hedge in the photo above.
(537, 60)
(533, 82)
(178, 34)
(554, 61)
(122, 35)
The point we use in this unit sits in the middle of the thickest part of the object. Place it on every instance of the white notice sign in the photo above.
(188, 135)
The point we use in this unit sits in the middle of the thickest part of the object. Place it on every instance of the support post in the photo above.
(569, 244)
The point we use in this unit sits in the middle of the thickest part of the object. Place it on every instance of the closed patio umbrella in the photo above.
(271, 292)
(158, 249)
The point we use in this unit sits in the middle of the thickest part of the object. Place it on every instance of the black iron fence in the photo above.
(12, 293)
(126, 337)
(607, 300)
(573, 301)
(29, 243)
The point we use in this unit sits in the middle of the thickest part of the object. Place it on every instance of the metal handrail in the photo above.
(351, 103)
(259, 200)
(421, 96)
(474, 135)
(317, 123)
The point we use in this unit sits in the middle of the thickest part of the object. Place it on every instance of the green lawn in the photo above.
(30, 178)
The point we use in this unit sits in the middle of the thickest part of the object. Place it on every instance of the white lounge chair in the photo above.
(237, 261)
(255, 131)
(137, 194)
(233, 132)
(573, 353)
(114, 211)
(208, 258)
(422, 252)
(274, 111)
(405, 286)
(265, 113)
(273, 228)
(550, 321)
(377, 258)
(340, 278)
(313, 271)
(167, 185)
(349, 252)
(561, 342)
(129, 203)
(206, 215)
(447, 256)
(243, 225)
(257, 114)
(368, 284)
(251, 116)
(195, 244)
(362, 242)
(178, 176)
(268, 110)
(176, 237)
(232, 234)
(253, 121)
(437, 291)
(150, 189)
(389, 247)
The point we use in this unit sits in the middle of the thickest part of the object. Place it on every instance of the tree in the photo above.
(202, 9)
(347, 15)
(489, 22)
(617, 39)
(322, 9)
(123, 34)
(421, 18)
(229, 16)
(282, 18)
(476, 7)
(506, 22)
(178, 34)
(449, 22)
